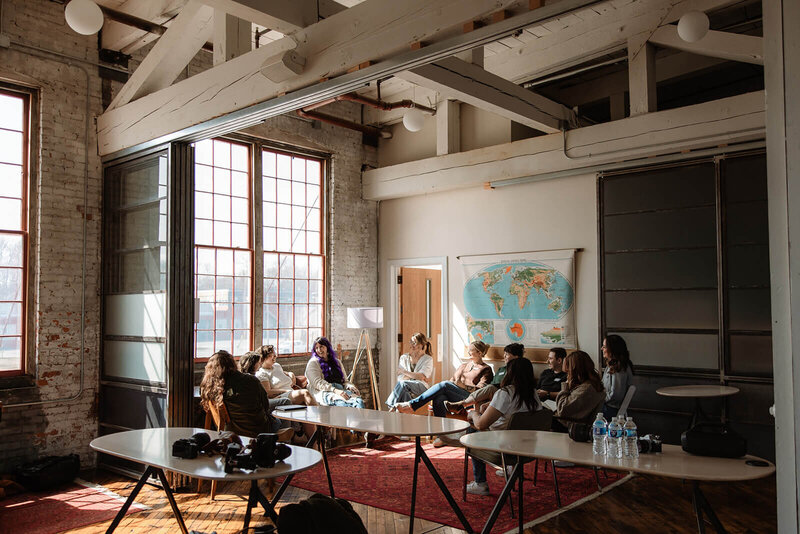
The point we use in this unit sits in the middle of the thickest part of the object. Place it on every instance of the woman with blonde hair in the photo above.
(470, 376)
(414, 371)
(582, 394)
(277, 382)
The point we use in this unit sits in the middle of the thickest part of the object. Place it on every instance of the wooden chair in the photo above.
(538, 420)
(218, 415)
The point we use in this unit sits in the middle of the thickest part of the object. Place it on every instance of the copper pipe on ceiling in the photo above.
(336, 121)
(379, 104)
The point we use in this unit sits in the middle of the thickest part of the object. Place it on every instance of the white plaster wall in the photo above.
(536, 216)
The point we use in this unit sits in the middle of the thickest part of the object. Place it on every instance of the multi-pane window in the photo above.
(13, 229)
(293, 259)
(685, 266)
(223, 247)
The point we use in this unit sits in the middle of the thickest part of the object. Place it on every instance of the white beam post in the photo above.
(448, 127)
(285, 16)
(641, 76)
(232, 36)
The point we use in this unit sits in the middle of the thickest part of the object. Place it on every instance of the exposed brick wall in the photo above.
(57, 232)
(56, 245)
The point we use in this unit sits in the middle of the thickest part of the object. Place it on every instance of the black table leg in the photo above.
(702, 505)
(171, 499)
(521, 480)
(255, 498)
(325, 463)
(129, 501)
(420, 455)
(316, 436)
(498, 506)
(414, 486)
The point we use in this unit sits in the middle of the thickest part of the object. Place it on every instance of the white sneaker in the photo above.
(499, 472)
(478, 488)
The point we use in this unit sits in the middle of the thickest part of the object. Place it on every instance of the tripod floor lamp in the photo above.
(366, 318)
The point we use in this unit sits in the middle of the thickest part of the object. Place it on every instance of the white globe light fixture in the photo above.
(693, 26)
(84, 16)
(413, 120)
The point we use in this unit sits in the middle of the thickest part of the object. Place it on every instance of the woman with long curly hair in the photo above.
(326, 379)
(246, 402)
(582, 394)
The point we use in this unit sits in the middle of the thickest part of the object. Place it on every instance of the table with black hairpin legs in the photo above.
(388, 424)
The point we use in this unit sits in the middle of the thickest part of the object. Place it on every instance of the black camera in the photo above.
(263, 451)
(649, 443)
(190, 447)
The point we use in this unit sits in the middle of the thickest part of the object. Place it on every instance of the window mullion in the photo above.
(257, 237)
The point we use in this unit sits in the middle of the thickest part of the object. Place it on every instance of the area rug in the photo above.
(381, 477)
(74, 505)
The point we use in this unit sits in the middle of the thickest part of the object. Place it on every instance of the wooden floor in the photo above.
(643, 504)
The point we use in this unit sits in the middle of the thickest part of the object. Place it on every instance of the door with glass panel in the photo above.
(134, 375)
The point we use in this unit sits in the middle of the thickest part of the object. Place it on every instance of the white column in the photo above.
(448, 127)
(232, 36)
(782, 69)
(641, 75)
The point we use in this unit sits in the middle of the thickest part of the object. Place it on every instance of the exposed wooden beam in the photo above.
(641, 76)
(174, 50)
(232, 37)
(728, 120)
(448, 127)
(459, 80)
(723, 45)
(328, 8)
(118, 36)
(285, 16)
(583, 39)
(372, 31)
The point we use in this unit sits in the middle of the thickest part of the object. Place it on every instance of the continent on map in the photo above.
(491, 278)
(552, 336)
(497, 302)
(556, 304)
(517, 330)
(528, 278)
(480, 330)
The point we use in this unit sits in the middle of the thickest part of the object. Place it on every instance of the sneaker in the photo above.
(404, 407)
(478, 488)
(454, 407)
(438, 442)
(499, 472)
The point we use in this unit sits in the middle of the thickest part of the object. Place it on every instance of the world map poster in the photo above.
(527, 298)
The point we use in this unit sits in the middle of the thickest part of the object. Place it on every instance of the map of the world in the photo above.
(524, 301)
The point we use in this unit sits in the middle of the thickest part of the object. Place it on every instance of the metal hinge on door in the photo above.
(399, 338)
(399, 279)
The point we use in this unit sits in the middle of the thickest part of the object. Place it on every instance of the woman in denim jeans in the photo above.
(326, 380)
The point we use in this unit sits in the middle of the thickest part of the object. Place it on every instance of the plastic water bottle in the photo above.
(599, 430)
(614, 446)
(631, 447)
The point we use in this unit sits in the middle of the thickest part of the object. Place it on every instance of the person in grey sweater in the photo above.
(618, 374)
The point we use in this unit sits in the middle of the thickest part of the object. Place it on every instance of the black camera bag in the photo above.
(713, 439)
(48, 472)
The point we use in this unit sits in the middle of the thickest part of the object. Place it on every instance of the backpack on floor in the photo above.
(320, 513)
(48, 472)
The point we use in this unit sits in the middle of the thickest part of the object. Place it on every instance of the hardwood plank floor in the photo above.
(643, 504)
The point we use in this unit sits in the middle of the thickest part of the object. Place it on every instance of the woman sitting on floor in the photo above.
(517, 393)
(279, 384)
(582, 394)
(414, 372)
(326, 380)
(249, 409)
(470, 376)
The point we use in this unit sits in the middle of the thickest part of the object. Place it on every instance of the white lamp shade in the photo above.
(693, 26)
(364, 317)
(413, 120)
(84, 16)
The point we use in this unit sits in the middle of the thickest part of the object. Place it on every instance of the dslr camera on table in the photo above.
(262, 451)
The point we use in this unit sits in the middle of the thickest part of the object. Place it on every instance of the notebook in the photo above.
(289, 407)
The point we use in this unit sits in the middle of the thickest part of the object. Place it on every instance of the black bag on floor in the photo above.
(49, 472)
(713, 439)
(320, 513)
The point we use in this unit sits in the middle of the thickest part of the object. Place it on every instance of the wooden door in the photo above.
(421, 311)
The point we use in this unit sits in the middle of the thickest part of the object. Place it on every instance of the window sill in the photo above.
(17, 382)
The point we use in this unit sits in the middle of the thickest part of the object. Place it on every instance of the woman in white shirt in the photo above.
(517, 393)
(278, 382)
(414, 372)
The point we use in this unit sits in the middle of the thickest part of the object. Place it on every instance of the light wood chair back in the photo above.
(218, 415)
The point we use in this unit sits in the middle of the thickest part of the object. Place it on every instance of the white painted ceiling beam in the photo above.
(232, 37)
(729, 120)
(723, 45)
(641, 76)
(187, 34)
(591, 37)
(285, 16)
(118, 36)
(459, 80)
(372, 31)
(448, 127)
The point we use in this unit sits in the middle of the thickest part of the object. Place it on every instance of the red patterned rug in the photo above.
(71, 506)
(381, 477)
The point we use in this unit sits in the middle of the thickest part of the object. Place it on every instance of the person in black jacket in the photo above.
(551, 379)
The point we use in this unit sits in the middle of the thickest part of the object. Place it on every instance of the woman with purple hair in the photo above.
(326, 379)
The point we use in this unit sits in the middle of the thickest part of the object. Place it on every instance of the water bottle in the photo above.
(631, 448)
(614, 446)
(599, 430)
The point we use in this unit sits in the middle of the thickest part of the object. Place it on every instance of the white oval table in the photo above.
(153, 448)
(673, 462)
(698, 392)
(379, 422)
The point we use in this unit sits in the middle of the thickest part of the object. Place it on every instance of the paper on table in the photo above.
(550, 404)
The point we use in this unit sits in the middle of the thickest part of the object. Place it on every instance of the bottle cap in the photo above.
(629, 418)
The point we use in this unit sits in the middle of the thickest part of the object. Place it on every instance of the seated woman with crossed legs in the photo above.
(280, 384)
(414, 371)
(470, 376)
(326, 380)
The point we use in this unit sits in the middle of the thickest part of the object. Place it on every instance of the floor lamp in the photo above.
(365, 318)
